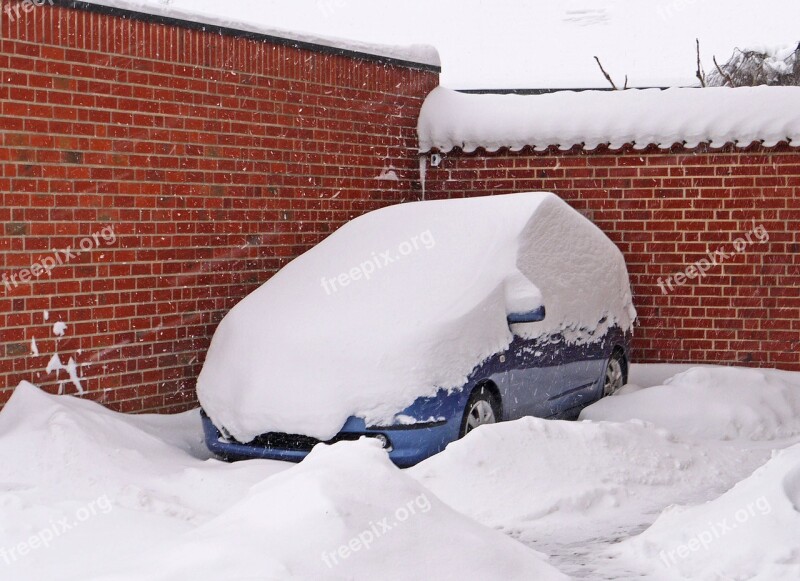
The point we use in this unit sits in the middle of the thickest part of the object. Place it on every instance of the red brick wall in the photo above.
(665, 211)
(215, 158)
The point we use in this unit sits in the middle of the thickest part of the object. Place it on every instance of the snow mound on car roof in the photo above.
(750, 532)
(402, 301)
(346, 512)
(720, 403)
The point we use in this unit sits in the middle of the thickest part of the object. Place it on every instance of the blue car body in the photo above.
(550, 378)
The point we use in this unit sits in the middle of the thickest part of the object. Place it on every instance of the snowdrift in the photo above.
(119, 484)
(204, 519)
(720, 403)
(750, 532)
(570, 470)
(571, 489)
(82, 450)
(401, 302)
(346, 512)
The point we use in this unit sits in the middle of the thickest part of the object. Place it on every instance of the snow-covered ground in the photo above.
(689, 473)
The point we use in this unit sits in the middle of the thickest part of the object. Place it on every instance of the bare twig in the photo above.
(626, 83)
(701, 75)
(796, 66)
(724, 75)
(607, 76)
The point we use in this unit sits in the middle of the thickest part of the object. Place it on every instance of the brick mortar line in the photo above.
(218, 145)
(188, 170)
(160, 367)
(388, 98)
(356, 117)
(690, 259)
(175, 155)
(227, 83)
(210, 311)
(13, 296)
(323, 164)
(163, 234)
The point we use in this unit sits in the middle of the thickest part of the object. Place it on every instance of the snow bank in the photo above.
(573, 489)
(61, 456)
(650, 374)
(560, 472)
(750, 532)
(417, 53)
(716, 116)
(713, 402)
(84, 450)
(346, 512)
(86, 447)
(403, 301)
(102, 488)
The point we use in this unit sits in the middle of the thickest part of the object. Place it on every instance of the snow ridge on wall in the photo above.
(685, 116)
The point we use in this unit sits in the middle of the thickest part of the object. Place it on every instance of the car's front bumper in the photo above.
(408, 444)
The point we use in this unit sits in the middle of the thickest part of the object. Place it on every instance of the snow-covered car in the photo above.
(416, 323)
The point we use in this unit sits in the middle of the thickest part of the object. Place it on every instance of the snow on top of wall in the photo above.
(687, 116)
(415, 53)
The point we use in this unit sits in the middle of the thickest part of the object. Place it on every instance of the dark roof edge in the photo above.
(605, 149)
(543, 91)
(217, 29)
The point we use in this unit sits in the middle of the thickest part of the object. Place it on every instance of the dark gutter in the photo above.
(227, 31)
(540, 91)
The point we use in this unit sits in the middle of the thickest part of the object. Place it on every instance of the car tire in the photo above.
(615, 375)
(482, 408)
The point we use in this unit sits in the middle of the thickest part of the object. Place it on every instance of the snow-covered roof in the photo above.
(422, 55)
(522, 44)
(685, 116)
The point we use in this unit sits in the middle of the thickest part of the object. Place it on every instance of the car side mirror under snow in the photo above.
(533, 316)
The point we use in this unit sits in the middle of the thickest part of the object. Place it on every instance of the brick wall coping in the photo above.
(422, 57)
(687, 117)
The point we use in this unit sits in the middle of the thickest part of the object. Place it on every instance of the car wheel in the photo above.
(482, 408)
(615, 376)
